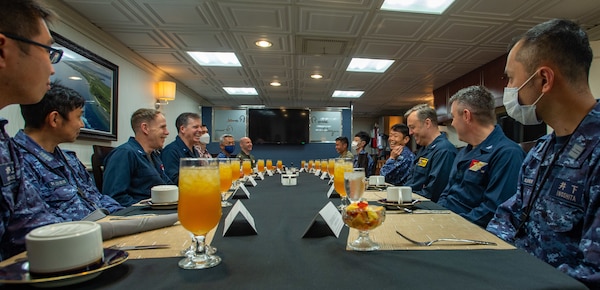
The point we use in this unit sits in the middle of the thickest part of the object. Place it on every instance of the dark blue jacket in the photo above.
(172, 153)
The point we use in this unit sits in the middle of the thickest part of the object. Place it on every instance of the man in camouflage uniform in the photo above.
(554, 214)
(397, 168)
(63, 181)
(25, 69)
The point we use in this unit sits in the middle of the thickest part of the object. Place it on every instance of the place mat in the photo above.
(424, 227)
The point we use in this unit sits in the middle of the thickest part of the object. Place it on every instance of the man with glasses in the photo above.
(25, 68)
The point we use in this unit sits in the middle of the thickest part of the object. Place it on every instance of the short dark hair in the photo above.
(401, 128)
(342, 140)
(59, 98)
(479, 101)
(183, 118)
(142, 115)
(561, 41)
(364, 136)
(20, 17)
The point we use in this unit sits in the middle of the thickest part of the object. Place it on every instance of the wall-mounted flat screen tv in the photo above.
(278, 126)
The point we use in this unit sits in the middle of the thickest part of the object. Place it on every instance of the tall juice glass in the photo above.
(324, 165)
(311, 163)
(317, 165)
(199, 207)
(331, 167)
(235, 169)
(247, 167)
(269, 164)
(302, 163)
(226, 178)
(355, 184)
(342, 165)
(280, 165)
(260, 165)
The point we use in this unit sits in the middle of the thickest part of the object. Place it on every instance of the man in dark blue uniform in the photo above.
(63, 181)
(484, 173)
(434, 160)
(189, 130)
(363, 158)
(133, 168)
(554, 214)
(27, 59)
(397, 168)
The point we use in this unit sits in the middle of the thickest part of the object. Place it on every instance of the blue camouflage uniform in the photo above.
(21, 207)
(129, 174)
(397, 171)
(483, 177)
(222, 155)
(564, 222)
(63, 181)
(432, 168)
(364, 160)
(171, 154)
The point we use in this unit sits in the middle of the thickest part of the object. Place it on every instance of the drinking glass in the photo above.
(331, 167)
(323, 165)
(247, 167)
(354, 183)
(303, 164)
(311, 163)
(341, 166)
(226, 178)
(280, 165)
(269, 164)
(317, 165)
(199, 208)
(364, 218)
(235, 170)
(260, 165)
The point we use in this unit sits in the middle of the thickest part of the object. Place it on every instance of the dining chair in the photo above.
(98, 156)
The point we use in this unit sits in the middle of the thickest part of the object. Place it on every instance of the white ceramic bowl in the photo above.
(164, 194)
(64, 247)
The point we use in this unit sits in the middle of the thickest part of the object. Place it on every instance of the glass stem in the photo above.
(200, 245)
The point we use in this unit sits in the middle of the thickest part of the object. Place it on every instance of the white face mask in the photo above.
(524, 114)
(354, 145)
(205, 138)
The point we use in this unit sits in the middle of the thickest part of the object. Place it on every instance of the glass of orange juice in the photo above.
(247, 167)
(226, 178)
(280, 165)
(331, 167)
(341, 165)
(199, 207)
(317, 165)
(269, 164)
(302, 163)
(310, 164)
(236, 170)
(323, 165)
(260, 165)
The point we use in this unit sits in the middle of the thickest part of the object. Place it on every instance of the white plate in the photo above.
(18, 272)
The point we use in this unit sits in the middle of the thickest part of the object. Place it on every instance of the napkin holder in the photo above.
(328, 222)
(289, 179)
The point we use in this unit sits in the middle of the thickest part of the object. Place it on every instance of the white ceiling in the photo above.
(322, 36)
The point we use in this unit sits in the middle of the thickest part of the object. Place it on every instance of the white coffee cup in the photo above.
(393, 194)
(64, 247)
(376, 180)
(405, 194)
(164, 194)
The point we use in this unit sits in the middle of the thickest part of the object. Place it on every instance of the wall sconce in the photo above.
(165, 92)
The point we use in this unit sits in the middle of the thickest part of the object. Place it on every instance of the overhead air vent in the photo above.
(316, 46)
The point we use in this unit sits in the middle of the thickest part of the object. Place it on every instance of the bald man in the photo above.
(246, 148)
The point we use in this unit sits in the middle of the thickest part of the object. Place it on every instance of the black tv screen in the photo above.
(278, 126)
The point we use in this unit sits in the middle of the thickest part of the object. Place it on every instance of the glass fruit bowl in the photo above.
(363, 217)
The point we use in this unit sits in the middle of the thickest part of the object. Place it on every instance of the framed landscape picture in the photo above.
(96, 79)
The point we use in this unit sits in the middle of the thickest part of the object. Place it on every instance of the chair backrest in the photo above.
(526, 146)
(100, 153)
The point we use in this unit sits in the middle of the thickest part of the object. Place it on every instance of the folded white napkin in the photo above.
(119, 228)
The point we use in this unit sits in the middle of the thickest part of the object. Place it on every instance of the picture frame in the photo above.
(96, 80)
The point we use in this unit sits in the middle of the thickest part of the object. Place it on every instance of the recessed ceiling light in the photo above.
(316, 76)
(420, 6)
(215, 58)
(275, 84)
(347, 94)
(241, 91)
(263, 43)
(369, 65)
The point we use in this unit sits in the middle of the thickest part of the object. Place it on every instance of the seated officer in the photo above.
(189, 130)
(341, 146)
(133, 168)
(245, 151)
(62, 180)
(227, 145)
(398, 167)
(484, 173)
(363, 158)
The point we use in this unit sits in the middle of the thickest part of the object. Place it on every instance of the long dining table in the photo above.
(279, 257)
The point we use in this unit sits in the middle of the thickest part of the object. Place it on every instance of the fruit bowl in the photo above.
(363, 217)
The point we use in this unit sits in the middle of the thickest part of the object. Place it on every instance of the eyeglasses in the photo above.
(55, 54)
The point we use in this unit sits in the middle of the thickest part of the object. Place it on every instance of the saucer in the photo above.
(162, 205)
(394, 203)
(18, 272)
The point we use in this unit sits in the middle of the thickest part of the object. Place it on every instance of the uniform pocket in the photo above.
(561, 216)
